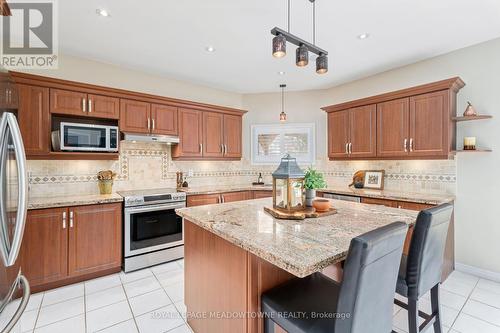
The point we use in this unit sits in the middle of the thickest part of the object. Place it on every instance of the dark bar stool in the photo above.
(421, 270)
(362, 303)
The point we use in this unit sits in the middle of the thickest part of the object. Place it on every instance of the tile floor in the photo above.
(151, 300)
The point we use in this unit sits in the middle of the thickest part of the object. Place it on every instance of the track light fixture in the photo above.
(304, 47)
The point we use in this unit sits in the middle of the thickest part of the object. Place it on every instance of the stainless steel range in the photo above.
(153, 232)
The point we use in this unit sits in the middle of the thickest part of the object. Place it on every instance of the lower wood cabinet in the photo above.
(61, 245)
(202, 199)
(262, 194)
(236, 196)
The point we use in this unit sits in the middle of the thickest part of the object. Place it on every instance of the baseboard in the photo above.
(482, 273)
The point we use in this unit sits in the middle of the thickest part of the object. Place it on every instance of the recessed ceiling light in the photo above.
(210, 49)
(364, 36)
(281, 73)
(102, 12)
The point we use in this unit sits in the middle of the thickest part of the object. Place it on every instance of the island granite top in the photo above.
(298, 247)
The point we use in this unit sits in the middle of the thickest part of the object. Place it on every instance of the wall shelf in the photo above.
(462, 118)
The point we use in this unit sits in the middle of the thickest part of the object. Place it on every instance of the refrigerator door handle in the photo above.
(22, 306)
(22, 203)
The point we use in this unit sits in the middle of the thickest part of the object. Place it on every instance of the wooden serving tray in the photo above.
(299, 215)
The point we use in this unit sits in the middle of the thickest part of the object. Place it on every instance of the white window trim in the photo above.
(309, 128)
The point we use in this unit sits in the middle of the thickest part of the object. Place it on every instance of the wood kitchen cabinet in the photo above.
(202, 199)
(382, 202)
(135, 116)
(165, 119)
(236, 196)
(352, 133)
(34, 120)
(94, 238)
(208, 135)
(76, 103)
(65, 245)
(262, 194)
(190, 134)
(44, 250)
(413, 123)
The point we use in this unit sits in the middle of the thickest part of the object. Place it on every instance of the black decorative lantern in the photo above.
(302, 56)
(288, 186)
(322, 64)
(279, 46)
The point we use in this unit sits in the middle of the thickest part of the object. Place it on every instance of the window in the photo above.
(271, 142)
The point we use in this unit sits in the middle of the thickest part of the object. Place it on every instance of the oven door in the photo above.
(84, 137)
(152, 228)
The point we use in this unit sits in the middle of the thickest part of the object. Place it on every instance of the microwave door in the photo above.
(13, 204)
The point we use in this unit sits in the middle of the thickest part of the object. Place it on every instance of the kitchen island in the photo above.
(236, 251)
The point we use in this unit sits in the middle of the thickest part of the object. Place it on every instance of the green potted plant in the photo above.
(313, 181)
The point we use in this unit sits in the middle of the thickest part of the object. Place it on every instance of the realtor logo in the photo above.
(29, 36)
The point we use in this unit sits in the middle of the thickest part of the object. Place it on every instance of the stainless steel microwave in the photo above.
(85, 137)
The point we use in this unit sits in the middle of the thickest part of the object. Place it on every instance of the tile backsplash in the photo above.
(150, 166)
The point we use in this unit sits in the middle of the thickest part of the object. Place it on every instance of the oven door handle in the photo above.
(143, 209)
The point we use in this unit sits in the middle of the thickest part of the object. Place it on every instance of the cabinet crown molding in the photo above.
(454, 84)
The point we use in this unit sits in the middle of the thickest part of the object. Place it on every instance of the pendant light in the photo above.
(282, 114)
(303, 47)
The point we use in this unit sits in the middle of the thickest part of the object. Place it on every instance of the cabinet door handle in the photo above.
(347, 148)
(222, 198)
(411, 145)
(350, 147)
(405, 145)
(225, 149)
(90, 105)
(64, 220)
(84, 105)
(71, 221)
(222, 148)
(153, 125)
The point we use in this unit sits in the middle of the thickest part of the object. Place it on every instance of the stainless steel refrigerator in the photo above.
(14, 287)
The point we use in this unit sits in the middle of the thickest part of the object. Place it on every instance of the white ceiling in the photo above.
(168, 38)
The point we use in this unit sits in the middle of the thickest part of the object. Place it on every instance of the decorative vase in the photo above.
(310, 196)
(470, 111)
(105, 186)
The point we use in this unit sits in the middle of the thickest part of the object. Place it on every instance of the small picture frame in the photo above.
(374, 179)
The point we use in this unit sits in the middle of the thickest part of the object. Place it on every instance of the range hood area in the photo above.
(167, 139)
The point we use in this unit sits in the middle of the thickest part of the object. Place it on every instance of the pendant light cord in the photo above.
(314, 23)
(288, 16)
(282, 98)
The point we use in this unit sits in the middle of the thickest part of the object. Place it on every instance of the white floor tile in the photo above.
(124, 327)
(102, 283)
(59, 311)
(141, 286)
(159, 321)
(28, 320)
(108, 316)
(489, 286)
(73, 325)
(469, 324)
(181, 307)
(487, 297)
(63, 294)
(104, 297)
(175, 291)
(149, 302)
(458, 286)
(449, 299)
(35, 302)
(448, 315)
(400, 320)
(181, 329)
(171, 277)
(463, 277)
(169, 266)
(482, 311)
(137, 275)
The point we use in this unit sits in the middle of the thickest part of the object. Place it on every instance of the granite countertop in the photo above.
(72, 200)
(424, 198)
(299, 247)
(224, 188)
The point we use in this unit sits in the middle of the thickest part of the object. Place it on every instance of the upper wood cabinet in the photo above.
(75, 103)
(208, 135)
(190, 134)
(413, 123)
(135, 116)
(232, 136)
(34, 119)
(393, 128)
(352, 133)
(164, 118)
